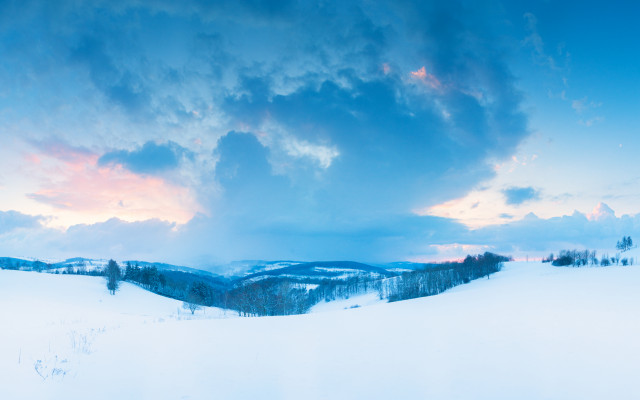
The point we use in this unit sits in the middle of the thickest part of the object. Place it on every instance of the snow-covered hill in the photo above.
(318, 271)
(238, 269)
(80, 265)
(532, 331)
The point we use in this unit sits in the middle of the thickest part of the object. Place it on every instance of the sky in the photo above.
(204, 132)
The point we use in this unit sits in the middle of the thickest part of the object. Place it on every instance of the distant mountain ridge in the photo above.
(237, 274)
(240, 271)
(319, 270)
(81, 264)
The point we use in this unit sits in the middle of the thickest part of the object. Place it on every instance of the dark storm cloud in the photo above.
(151, 158)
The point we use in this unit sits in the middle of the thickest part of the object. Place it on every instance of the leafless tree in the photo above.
(187, 305)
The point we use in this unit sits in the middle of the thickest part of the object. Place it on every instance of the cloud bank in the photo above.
(309, 145)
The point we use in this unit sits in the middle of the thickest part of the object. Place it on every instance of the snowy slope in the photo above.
(50, 324)
(362, 300)
(532, 331)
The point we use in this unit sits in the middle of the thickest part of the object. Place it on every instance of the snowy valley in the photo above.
(531, 331)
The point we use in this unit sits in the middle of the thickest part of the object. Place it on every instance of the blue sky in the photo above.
(206, 132)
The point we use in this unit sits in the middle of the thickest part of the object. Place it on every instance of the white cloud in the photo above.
(322, 155)
(601, 212)
(535, 41)
(591, 121)
(583, 104)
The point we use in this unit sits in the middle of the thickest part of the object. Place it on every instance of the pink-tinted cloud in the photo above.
(78, 189)
(601, 212)
(33, 159)
(426, 78)
(60, 150)
(448, 209)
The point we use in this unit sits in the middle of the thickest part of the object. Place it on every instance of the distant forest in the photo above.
(282, 294)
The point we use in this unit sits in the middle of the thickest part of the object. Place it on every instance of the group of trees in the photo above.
(625, 244)
(574, 258)
(194, 295)
(270, 296)
(615, 260)
(578, 258)
(331, 289)
(434, 280)
(147, 277)
(190, 288)
(198, 293)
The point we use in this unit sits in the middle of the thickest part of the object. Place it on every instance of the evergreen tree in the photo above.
(112, 273)
(625, 244)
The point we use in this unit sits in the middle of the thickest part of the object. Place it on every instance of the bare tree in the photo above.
(187, 305)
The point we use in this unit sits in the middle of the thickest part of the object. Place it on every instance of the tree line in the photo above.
(435, 280)
(579, 258)
(279, 295)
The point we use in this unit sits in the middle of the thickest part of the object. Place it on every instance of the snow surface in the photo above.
(532, 331)
(362, 300)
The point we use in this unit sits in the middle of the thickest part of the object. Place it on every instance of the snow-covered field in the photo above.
(532, 331)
